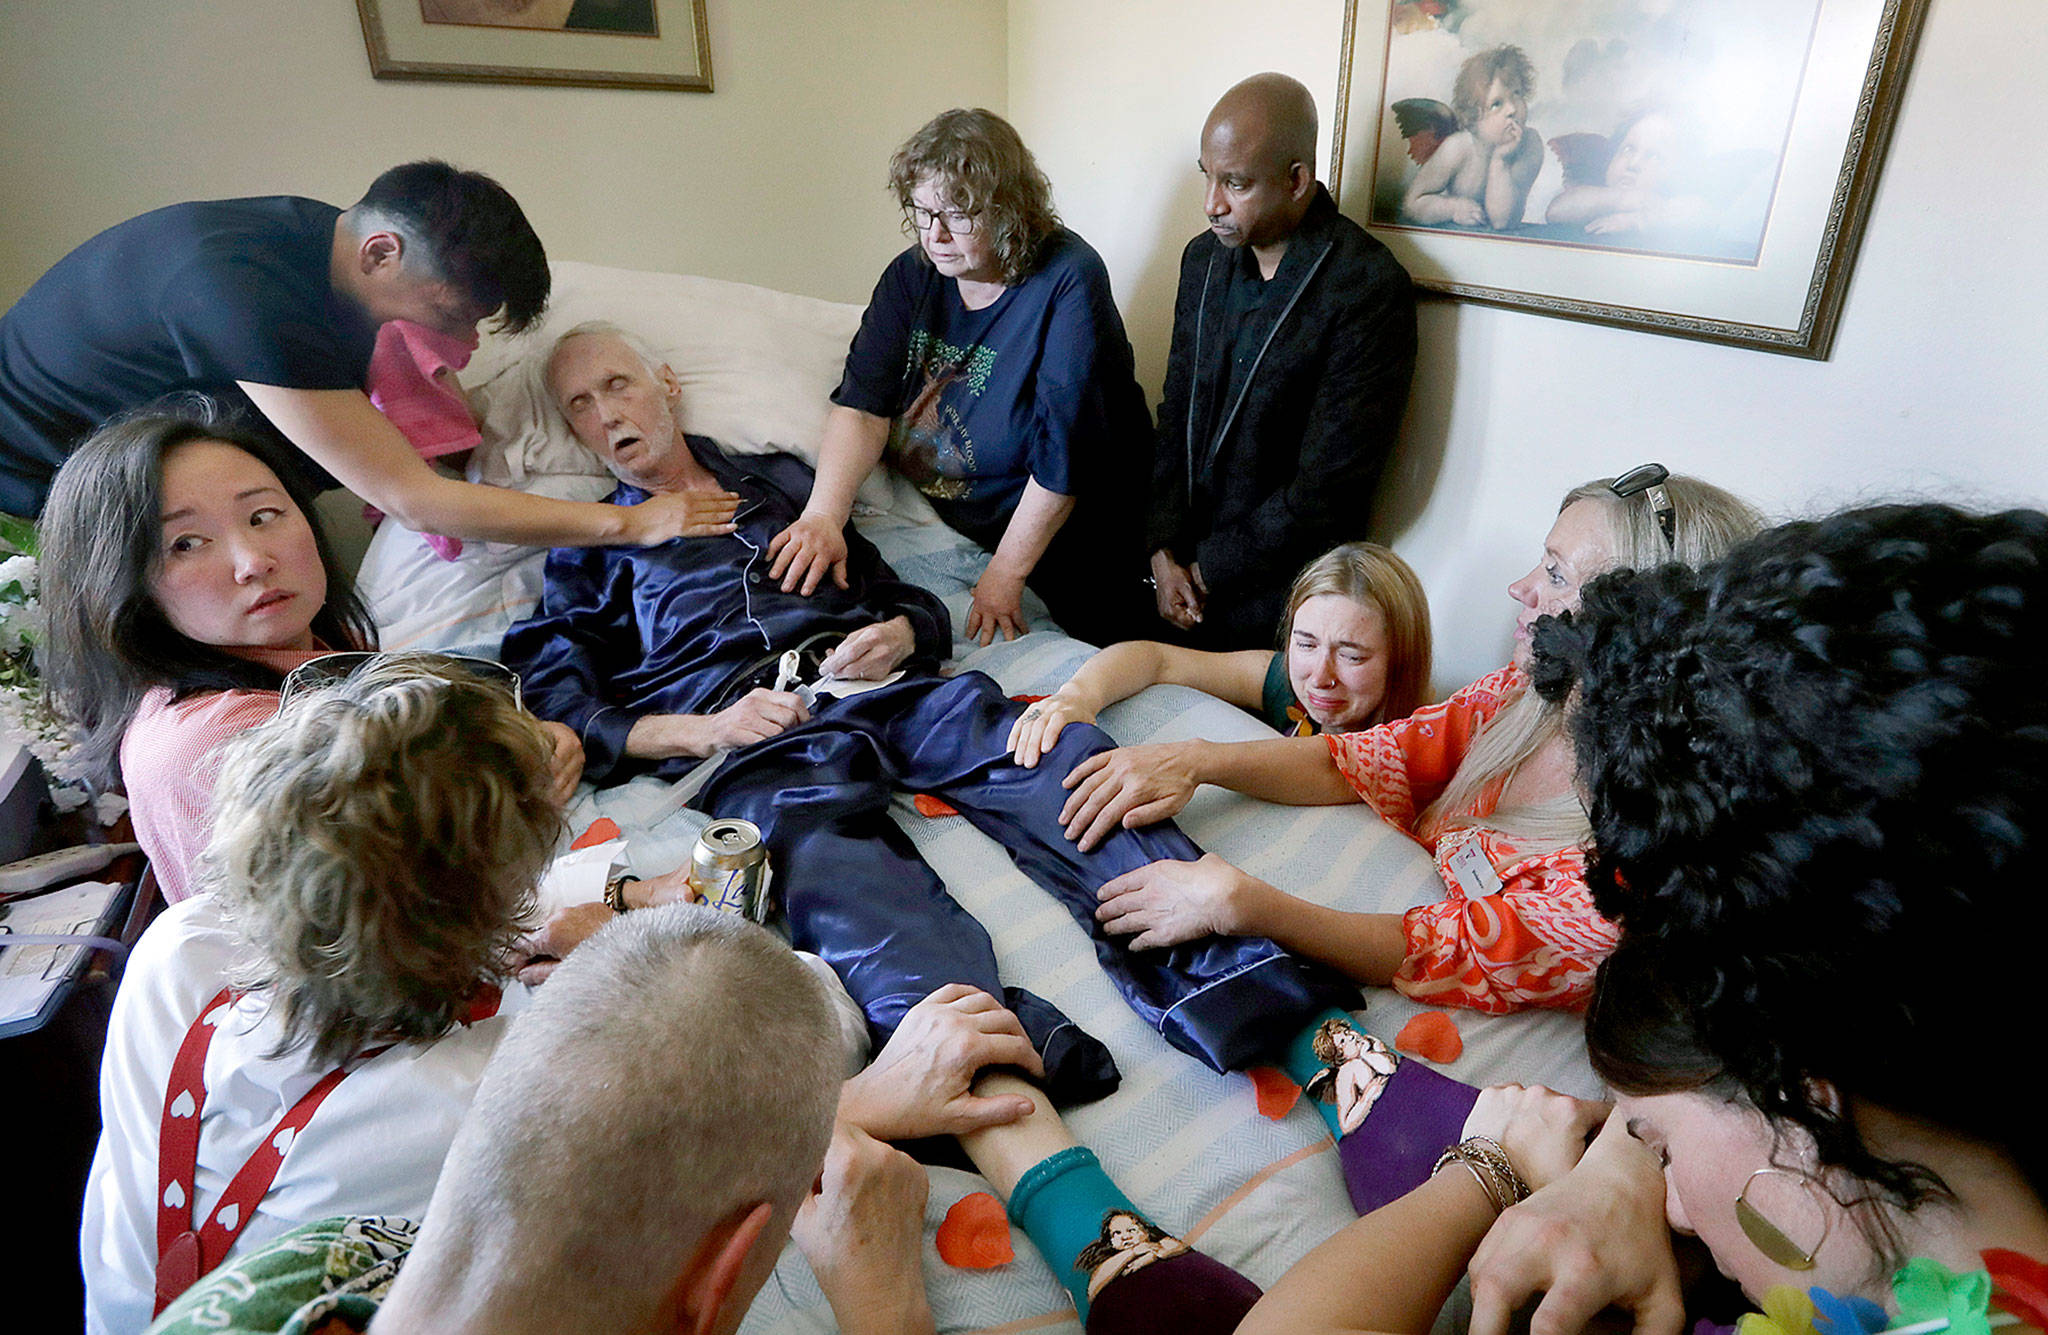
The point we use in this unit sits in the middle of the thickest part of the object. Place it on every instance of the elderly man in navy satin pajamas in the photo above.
(657, 657)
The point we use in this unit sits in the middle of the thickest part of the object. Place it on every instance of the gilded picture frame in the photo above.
(648, 44)
(1701, 169)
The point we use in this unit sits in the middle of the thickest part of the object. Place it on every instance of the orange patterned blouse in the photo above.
(1516, 928)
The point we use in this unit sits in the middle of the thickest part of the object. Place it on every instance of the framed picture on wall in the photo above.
(588, 43)
(1699, 167)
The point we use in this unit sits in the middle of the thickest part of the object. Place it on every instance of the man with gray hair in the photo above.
(644, 1139)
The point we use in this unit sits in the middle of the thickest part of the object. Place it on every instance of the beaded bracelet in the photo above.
(1490, 1168)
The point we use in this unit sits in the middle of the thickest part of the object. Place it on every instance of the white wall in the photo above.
(1935, 386)
(111, 107)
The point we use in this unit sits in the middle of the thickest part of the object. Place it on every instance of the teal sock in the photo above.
(1300, 1061)
(1059, 1203)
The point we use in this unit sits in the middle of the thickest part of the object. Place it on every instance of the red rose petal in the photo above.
(1028, 699)
(602, 831)
(934, 807)
(1276, 1093)
(975, 1234)
(1431, 1035)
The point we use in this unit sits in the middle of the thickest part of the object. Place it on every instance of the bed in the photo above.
(1188, 1144)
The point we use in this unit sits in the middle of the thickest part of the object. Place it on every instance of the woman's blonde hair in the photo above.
(1707, 522)
(1368, 573)
(376, 845)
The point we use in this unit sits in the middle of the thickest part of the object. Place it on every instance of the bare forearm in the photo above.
(849, 452)
(1503, 197)
(881, 1304)
(665, 736)
(1434, 208)
(341, 430)
(1390, 1271)
(1038, 516)
(1583, 203)
(1117, 673)
(433, 503)
(1365, 947)
(1297, 771)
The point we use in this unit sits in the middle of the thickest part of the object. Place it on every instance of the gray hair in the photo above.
(650, 360)
(680, 1066)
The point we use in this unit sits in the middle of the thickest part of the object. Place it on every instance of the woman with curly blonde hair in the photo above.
(375, 847)
(992, 369)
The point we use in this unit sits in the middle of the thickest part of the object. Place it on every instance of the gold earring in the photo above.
(1765, 1235)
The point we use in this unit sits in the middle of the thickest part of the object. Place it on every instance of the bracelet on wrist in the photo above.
(1488, 1163)
(615, 892)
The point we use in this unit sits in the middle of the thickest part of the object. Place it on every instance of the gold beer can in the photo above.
(729, 868)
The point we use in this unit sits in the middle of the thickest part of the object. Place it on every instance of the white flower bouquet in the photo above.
(25, 714)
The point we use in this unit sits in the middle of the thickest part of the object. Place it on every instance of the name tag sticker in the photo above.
(1473, 870)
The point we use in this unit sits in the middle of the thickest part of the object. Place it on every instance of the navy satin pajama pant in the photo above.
(858, 895)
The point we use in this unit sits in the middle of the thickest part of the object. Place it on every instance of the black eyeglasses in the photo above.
(332, 669)
(1650, 478)
(958, 222)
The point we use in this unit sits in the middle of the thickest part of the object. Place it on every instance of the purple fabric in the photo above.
(1189, 1294)
(1419, 1115)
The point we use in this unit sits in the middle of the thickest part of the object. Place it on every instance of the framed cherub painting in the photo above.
(1692, 167)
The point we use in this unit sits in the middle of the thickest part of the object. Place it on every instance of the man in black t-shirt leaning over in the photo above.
(275, 303)
(1293, 343)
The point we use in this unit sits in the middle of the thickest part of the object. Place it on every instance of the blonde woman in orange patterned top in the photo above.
(1483, 781)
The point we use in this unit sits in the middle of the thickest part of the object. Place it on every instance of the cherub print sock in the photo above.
(1142, 1279)
(1391, 1116)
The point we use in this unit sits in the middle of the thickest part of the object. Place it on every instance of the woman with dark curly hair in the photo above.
(992, 369)
(1818, 783)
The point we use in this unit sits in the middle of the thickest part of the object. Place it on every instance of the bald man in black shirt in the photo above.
(1293, 344)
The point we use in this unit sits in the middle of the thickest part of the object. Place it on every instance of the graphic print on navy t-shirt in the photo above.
(929, 442)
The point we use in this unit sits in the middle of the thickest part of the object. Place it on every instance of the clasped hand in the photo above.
(1177, 590)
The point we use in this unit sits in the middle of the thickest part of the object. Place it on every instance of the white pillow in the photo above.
(420, 601)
